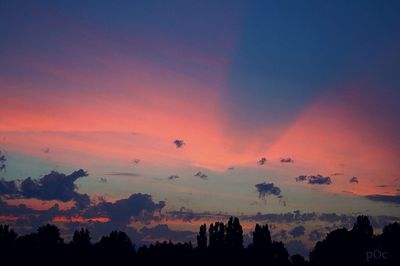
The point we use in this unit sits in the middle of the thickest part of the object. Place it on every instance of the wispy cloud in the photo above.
(171, 177)
(384, 198)
(123, 174)
(287, 160)
(201, 175)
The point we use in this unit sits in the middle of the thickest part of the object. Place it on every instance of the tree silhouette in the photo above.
(234, 234)
(217, 235)
(7, 237)
(202, 237)
(261, 237)
(341, 246)
(48, 236)
(362, 229)
(298, 260)
(333, 249)
(116, 247)
(81, 239)
(389, 241)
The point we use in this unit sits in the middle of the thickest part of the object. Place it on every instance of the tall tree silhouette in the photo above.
(81, 239)
(202, 237)
(261, 237)
(362, 229)
(234, 234)
(217, 235)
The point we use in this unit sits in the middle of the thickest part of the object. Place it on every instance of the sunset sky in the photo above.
(185, 112)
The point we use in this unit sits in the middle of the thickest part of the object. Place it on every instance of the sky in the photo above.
(157, 116)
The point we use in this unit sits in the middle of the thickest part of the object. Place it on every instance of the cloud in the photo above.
(354, 179)
(55, 186)
(262, 161)
(315, 179)
(201, 175)
(287, 160)
(297, 247)
(162, 231)
(297, 231)
(46, 150)
(231, 168)
(384, 198)
(301, 178)
(281, 235)
(3, 160)
(266, 189)
(315, 235)
(171, 177)
(123, 174)
(179, 143)
(8, 188)
(140, 206)
(136, 161)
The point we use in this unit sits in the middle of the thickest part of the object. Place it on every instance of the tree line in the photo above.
(220, 244)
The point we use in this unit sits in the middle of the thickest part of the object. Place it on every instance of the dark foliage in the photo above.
(358, 246)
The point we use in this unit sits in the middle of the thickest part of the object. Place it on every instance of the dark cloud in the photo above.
(319, 180)
(385, 198)
(171, 177)
(315, 179)
(354, 179)
(189, 216)
(262, 161)
(162, 231)
(56, 186)
(301, 178)
(123, 174)
(53, 186)
(46, 150)
(231, 168)
(201, 175)
(297, 247)
(179, 143)
(3, 160)
(297, 231)
(287, 160)
(279, 236)
(315, 235)
(140, 206)
(266, 189)
(136, 161)
(8, 188)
